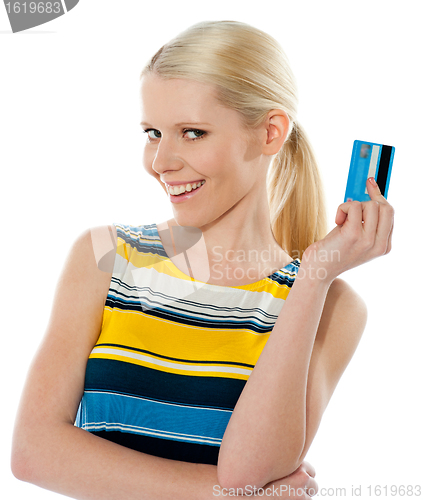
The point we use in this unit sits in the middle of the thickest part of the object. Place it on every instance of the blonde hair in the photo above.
(251, 75)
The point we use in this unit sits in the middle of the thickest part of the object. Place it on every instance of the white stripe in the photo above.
(373, 163)
(193, 297)
(168, 364)
(148, 430)
(142, 430)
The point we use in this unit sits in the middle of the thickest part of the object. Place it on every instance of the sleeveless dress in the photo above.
(174, 353)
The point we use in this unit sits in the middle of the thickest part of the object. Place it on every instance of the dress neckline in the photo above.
(255, 284)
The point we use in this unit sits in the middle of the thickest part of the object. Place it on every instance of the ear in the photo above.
(276, 125)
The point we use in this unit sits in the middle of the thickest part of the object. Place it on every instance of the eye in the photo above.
(196, 134)
(153, 133)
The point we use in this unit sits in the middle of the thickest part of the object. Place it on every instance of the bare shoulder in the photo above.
(104, 242)
(55, 381)
(90, 260)
(83, 287)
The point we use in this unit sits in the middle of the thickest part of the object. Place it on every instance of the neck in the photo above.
(239, 250)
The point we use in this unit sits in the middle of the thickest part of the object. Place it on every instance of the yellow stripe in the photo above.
(167, 338)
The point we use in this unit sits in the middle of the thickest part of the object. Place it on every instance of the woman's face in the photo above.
(191, 137)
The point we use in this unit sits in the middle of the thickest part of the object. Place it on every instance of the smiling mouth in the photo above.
(183, 188)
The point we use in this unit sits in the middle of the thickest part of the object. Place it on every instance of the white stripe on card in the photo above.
(373, 163)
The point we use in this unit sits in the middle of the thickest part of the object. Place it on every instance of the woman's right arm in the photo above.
(48, 450)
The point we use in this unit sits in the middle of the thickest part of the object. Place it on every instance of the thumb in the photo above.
(373, 189)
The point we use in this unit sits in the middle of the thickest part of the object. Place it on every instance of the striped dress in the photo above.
(174, 353)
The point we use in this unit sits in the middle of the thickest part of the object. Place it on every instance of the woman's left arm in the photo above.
(279, 411)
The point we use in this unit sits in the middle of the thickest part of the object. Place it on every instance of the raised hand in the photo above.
(363, 232)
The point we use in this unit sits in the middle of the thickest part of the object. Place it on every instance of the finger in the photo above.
(341, 215)
(312, 487)
(370, 218)
(354, 219)
(374, 191)
(386, 218)
(384, 228)
(342, 212)
(309, 469)
(388, 248)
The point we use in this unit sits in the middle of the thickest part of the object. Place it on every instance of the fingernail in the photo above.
(372, 181)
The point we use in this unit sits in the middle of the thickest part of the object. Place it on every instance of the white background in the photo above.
(70, 159)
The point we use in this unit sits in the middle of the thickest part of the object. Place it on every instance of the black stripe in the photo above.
(182, 319)
(232, 363)
(141, 293)
(382, 175)
(128, 378)
(165, 448)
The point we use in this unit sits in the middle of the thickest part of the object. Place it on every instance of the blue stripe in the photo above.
(110, 375)
(116, 412)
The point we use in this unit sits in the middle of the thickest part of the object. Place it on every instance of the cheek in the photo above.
(225, 161)
(218, 159)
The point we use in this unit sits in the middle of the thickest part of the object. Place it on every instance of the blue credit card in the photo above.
(369, 160)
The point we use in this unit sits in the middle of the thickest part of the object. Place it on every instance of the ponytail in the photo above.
(296, 198)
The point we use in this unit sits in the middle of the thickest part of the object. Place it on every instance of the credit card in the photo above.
(369, 160)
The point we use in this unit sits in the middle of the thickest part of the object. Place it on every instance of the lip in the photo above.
(180, 183)
(186, 196)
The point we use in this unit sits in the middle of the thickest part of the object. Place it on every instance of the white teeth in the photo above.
(175, 190)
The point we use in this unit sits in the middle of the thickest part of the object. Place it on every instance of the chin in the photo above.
(187, 219)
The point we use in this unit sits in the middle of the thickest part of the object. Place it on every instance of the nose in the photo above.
(166, 157)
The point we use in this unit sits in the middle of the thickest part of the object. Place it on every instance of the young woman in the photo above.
(199, 354)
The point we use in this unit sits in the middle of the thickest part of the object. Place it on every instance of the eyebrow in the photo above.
(144, 124)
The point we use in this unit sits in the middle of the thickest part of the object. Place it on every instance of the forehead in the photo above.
(180, 100)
